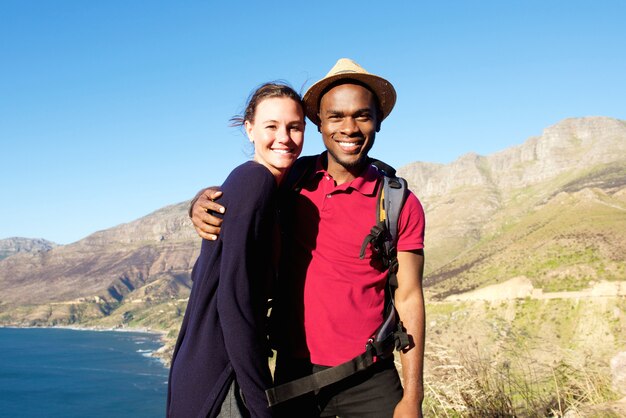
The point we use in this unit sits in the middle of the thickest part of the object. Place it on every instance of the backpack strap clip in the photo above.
(376, 237)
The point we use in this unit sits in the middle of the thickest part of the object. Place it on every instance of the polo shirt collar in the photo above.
(365, 183)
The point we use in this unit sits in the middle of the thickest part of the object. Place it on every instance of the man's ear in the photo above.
(378, 126)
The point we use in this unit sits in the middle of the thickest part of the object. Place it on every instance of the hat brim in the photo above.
(383, 90)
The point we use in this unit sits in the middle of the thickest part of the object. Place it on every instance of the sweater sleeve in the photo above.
(245, 265)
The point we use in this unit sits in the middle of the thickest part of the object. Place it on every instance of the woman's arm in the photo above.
(244, 271)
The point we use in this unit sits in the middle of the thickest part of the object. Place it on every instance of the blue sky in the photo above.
(112, 109)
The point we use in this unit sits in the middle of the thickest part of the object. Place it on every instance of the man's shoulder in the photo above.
(412, 222)
(413, 202)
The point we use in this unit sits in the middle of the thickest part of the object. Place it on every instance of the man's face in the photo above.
(348, 123)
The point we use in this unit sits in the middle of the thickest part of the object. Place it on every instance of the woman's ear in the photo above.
(248, 126)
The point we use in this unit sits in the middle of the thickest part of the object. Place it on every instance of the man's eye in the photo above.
(270, 127)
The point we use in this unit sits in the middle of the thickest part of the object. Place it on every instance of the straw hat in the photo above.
(347, 69)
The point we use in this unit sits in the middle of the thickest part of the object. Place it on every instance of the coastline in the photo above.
(161, 354)
(56, 371)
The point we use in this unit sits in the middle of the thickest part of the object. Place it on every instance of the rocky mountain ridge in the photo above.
(572, 143)
(108, 264)
(463, 199)
(15, 245)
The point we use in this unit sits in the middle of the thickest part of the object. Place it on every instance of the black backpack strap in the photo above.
(383, 237)
(395, 191)
(378, 233)
(384, 168)
(320, 379)
(298, 387)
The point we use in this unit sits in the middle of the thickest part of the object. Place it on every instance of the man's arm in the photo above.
(200, 212)
(409, 300)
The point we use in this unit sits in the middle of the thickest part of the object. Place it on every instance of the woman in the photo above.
(219, 367)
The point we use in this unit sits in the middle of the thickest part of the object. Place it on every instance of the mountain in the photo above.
(548, 215)
(15, 245)
(476, 198)
(526, 256)
(140, 264)
(108, 264)
(476, 207)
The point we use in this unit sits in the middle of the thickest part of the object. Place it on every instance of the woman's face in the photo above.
(277, 133)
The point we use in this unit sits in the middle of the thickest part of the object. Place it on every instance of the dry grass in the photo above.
(473, 384)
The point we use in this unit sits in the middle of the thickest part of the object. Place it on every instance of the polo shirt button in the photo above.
(329, 196)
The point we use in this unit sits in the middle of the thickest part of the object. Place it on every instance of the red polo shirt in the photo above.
(343, 295)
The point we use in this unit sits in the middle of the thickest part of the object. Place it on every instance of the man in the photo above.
(328, 300)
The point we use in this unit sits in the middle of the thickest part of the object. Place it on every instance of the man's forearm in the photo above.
(413, 317)
(409, 300)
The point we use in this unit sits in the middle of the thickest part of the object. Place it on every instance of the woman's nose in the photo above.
(283, 134)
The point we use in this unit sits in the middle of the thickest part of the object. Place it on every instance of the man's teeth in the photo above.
(348, 144)
(282, 151)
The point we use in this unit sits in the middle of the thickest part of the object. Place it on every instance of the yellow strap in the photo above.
(383, 215)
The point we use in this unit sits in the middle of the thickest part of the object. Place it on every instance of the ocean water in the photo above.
(68, 373)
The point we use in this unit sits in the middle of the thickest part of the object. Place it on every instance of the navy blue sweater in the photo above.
(223, 334)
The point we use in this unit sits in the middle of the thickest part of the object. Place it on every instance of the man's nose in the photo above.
(349, 126)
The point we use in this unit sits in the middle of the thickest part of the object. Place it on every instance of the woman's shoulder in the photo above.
(251, 175)
(250, 185)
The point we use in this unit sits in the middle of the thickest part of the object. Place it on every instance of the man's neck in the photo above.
(342, 174)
